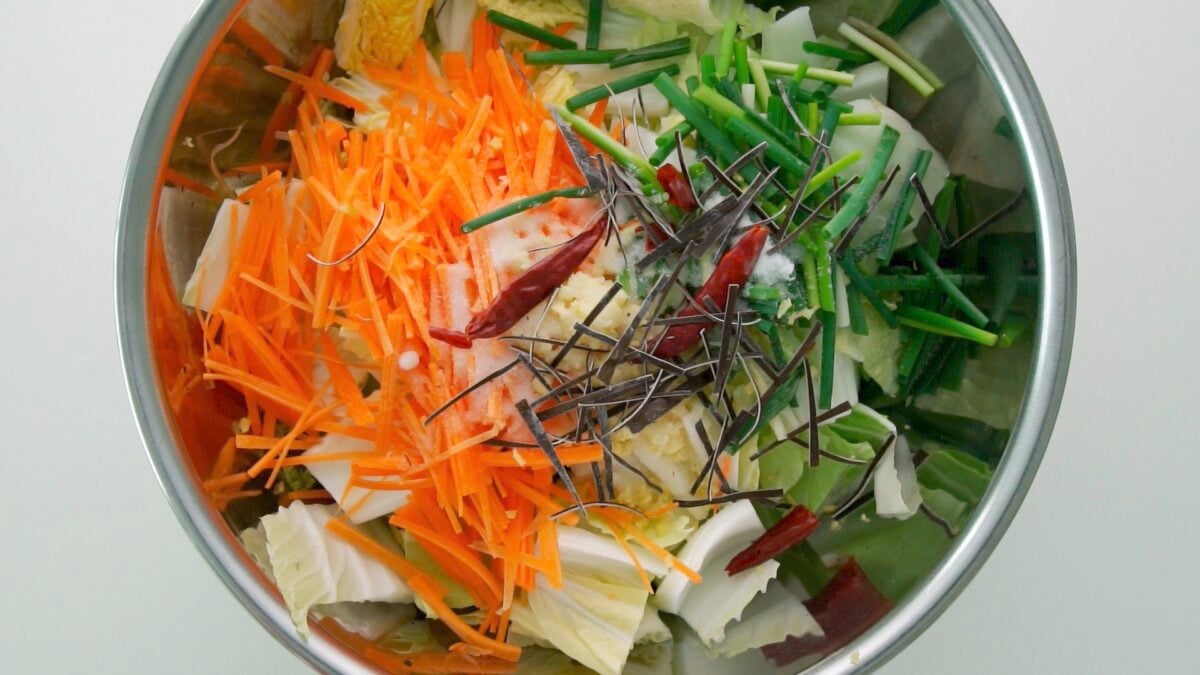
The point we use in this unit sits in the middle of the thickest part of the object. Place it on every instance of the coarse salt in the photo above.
(408, 360)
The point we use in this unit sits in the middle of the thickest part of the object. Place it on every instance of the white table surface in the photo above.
(1096, 575)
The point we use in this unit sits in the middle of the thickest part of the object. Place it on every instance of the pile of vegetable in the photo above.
(559, 332)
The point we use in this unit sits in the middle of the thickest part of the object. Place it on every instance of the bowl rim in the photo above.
(1030, 436)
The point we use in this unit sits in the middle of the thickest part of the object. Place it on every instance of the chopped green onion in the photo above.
(890, 43)
(803, 115)
(854, 207)
(658, 50)
(858, 318)
(762, 85)
(741, 62)
(530, 31)
(829, 123)
(907, 283)
(1013, 329)
(860, 119)
(708, 69)
(666, 142)
(726, 101)
(783, 398)
(912, 352)
(763, 293)
(827, 88)
(668, 137)
(836, 106)
(695, 116)
(813, 115)
(825, 294)
(940, 324)
(595, 15)
(772, 333)
(944, 204)
(794, 91)
(828, 354)
(822, 49)
(891, 60)
(798, 95)
(661, 154)
(858, 281)
(1004, 267)
(749, 97)
(615, 87)
(827, 174)
(818, 74)
(964, 208)
(523, 205)
(954, 368)
(933, 357)
(777, 115)
(947, 286)
(801, 71)
(718, 103)
(725, 48)
(900, 212)
(753, 135)
(623, 155)
(557, 57)
(812, 295)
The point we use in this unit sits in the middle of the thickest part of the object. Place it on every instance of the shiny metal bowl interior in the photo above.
(168, 114)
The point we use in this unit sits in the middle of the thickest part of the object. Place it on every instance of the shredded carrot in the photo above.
(637, 563)
(661, 510)
(318, 88)
(257, 42)
(223, 499)
(662, 553)
(304, 259)
(392, 486)
(283, 445)
(547, 138)
(284, 297)
(404, 569)
(252, 442)
(548, 538)
(233, 480)
(259, 167)
(225, 459)
(180, 180)
(598, 112)
(462, 554)
(569, 455)
(318, 496)
(345, 430)
(462, 629)
(344, 384)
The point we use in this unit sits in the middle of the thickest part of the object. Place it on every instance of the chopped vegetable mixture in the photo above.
(561, 330)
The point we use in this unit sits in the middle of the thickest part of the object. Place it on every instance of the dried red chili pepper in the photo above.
(733, 269)
(527, 291)
(454, 338)
(679, 192)
(845, 608)
(789, 531)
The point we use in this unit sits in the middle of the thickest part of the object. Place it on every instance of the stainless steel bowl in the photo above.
(173, 108)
